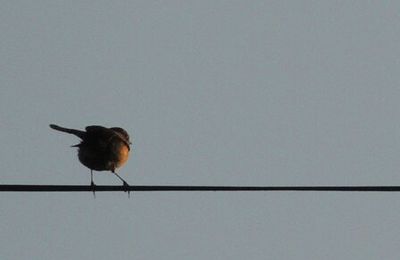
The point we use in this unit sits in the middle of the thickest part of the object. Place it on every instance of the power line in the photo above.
(136, 188)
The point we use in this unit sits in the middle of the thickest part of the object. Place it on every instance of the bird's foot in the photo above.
(93, 187)
(126, 187)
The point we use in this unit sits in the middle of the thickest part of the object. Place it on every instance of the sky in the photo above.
(212, 93)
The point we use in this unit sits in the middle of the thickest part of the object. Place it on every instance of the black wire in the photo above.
(136, 188)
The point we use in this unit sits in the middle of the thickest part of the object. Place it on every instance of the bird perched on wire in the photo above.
(101, 148)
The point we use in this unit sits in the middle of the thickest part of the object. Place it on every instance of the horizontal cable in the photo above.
(98, 188)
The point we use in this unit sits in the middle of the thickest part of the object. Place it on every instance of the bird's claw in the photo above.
(93, 186)
(126, 187)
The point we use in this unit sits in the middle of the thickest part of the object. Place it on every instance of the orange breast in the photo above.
(122, 156)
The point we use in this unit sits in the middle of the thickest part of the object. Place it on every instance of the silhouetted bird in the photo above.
(101, 148)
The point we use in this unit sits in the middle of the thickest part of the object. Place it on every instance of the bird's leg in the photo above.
(92, 183)
(124, 184)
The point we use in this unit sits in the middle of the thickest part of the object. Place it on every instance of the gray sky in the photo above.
(213, 93)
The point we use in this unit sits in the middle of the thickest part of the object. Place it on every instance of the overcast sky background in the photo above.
(212, 93)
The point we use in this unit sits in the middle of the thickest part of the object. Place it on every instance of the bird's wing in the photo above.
(99, 136)
(95, 128)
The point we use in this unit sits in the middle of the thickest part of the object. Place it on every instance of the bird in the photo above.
(101, 148)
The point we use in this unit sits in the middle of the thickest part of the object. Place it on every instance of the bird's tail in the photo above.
(78, 133)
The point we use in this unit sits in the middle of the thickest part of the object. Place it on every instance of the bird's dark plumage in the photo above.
(101, 148)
